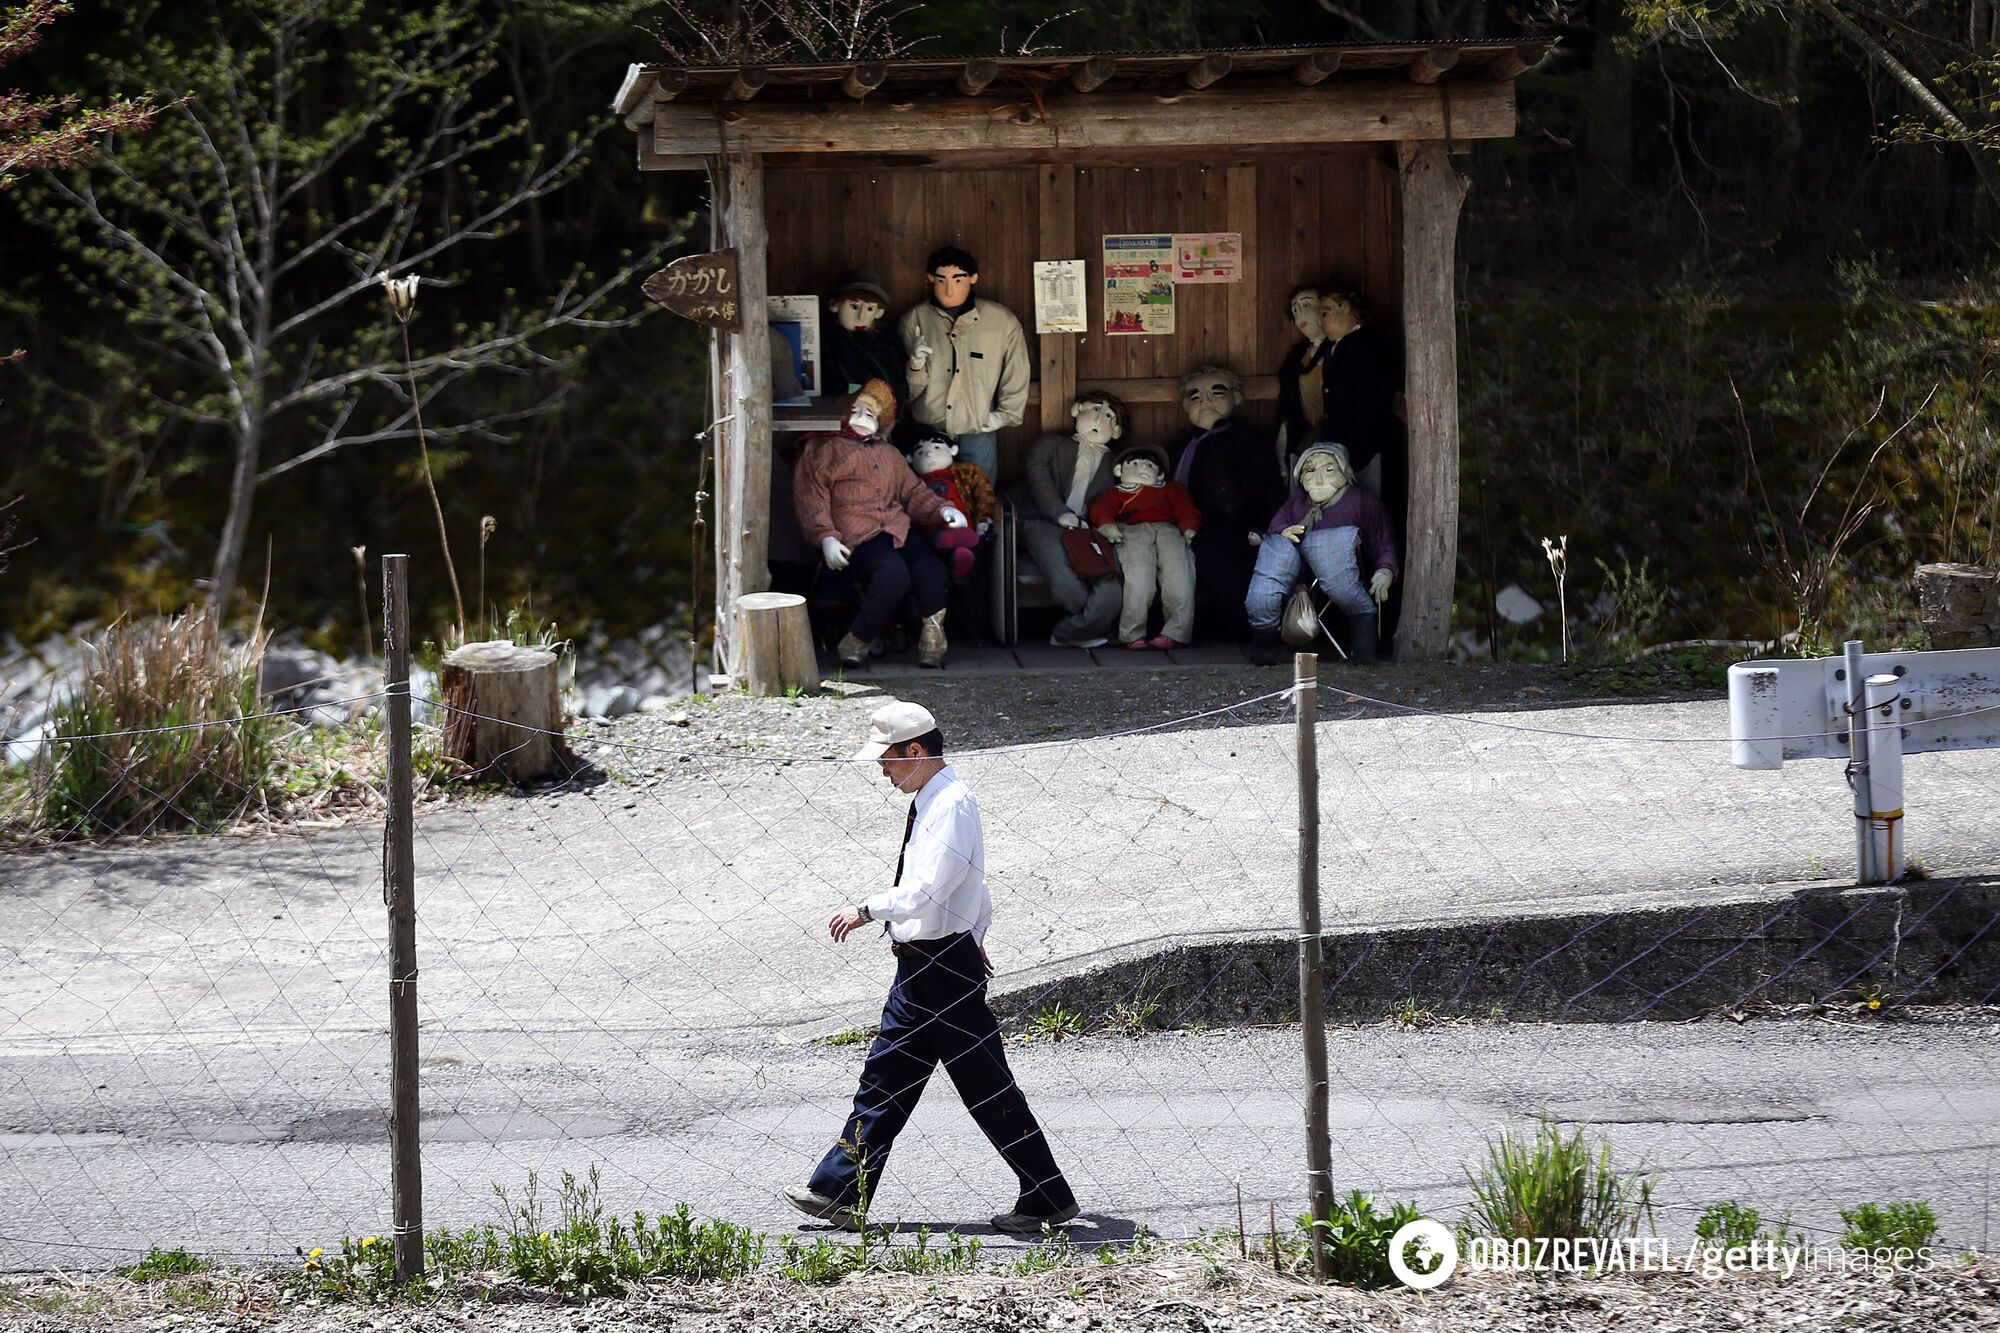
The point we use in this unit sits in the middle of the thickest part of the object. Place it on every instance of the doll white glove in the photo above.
(1378, 587)
(985, 525)
(1293, 533)
(1189, 534)
(920, 356)
(1256, 539)
(834, 552)
(952, 518)
(1068, 519)
(1112, 533)
(995, 421)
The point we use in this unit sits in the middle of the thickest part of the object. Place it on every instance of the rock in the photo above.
(679, 720)
(24, 748)
(290, 668)
(1516, 606)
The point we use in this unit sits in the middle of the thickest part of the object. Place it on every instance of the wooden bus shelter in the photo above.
(1332, 164)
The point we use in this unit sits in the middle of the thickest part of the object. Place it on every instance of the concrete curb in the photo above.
(1931, 942)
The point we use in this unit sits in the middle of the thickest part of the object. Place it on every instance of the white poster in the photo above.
(1059, 299)
(797, 318)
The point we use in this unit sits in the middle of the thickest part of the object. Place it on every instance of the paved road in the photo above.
(227, 986)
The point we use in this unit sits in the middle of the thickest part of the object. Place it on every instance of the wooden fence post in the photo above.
(1312, 971)
(399, 893)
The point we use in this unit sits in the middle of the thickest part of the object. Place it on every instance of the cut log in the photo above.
(503, 710)
(1960, 605)
(774, 644)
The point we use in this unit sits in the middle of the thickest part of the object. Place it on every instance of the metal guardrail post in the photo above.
(399, 893)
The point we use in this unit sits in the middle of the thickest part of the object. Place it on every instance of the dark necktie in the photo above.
(909, 827)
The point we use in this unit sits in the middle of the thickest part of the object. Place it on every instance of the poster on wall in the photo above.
(1059, 296)
(1208, 256)
(1139, 283)
(796, 319)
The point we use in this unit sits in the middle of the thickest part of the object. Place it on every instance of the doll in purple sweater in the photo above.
(1337, 530)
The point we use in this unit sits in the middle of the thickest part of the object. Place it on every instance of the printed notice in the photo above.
(1208, 256)
(1059, 300)
(1139, 284)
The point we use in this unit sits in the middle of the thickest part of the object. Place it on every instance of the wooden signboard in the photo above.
(701, 288)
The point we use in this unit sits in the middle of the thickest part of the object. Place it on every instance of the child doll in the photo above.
(961, 485)
(1152, 522)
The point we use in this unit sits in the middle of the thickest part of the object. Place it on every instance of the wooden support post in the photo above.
(864, 79)
(1313, 70)
(1056, 352)
(1432, 193)
(743, 529)
(399, 893)
(1093, 74)
(1431, 66)
(1210, 69)
(1513, 64)
(1312, 964)
(972, 80)
(747, 84)
(669, 84)
(775, 644)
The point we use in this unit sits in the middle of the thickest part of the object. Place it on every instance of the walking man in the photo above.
(935, 914)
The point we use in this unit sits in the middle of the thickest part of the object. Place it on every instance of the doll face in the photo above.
(951, 285)
(1096, 423)
(1135, 474)
(1337, 318)
(932, 456)
(1209, 400)
(857, 312)
(1305, 315)
(862, 419)
(1323, 478)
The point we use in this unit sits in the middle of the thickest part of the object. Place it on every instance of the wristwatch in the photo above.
(862, 908)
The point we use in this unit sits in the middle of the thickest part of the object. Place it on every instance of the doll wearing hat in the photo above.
(1152, 522)
(861, 345)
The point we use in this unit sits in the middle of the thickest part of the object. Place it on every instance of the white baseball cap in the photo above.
(893, 724)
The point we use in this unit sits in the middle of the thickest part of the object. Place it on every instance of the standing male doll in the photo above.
(936, 914)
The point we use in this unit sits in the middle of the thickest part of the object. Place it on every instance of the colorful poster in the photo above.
(1059, 301)
(1139, 284)
(1208, 256)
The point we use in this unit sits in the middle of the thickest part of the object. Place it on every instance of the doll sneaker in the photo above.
(853, 652)
(1162, 641)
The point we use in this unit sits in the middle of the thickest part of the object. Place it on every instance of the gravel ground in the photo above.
(1174, 1293)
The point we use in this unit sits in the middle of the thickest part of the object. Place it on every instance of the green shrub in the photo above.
(142, 676)
(1545, 1185)
(1356, 1239)
(1731, 1225)
(159, 1264)
(1895, 1226)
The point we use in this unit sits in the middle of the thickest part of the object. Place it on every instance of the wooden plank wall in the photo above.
(1330, 219)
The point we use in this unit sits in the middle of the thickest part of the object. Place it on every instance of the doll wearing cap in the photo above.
(962, 486)
(1152, 522)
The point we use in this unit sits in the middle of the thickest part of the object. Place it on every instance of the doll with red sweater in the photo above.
(965, 488)
(1152, 522)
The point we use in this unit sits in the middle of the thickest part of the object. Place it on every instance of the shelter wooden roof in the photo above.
(1037, 107)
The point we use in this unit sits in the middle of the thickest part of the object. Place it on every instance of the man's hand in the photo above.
(985, 961)
(1378, 587)
(1068, 519)
(952, 517)
(844, 923)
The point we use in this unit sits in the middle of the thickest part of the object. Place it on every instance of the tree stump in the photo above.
(503, 709)
(1960, 605)
(774, 640)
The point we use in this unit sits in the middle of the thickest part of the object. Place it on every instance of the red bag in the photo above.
(1090, 556)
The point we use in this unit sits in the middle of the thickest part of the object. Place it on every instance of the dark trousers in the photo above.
(887, 573)
(937, 1014)
(1223, 561)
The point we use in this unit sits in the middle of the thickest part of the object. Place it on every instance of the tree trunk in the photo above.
(1607, 139)
(503, 710)
(236, 524)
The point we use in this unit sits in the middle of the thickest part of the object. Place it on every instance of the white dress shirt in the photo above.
(943, 890)
(1088, 455)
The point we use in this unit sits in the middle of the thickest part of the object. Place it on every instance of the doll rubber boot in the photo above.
(1361, 638)
(931, 641)
(853, 652)
(1267, 647)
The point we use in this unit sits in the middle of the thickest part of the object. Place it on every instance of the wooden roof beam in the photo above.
(864, 79)
(972, 80)
(1208, 70)
(1512, 64)
(1093, 74)
(667, 85)
(1314, 69)
(1431, 66)
(748, 83)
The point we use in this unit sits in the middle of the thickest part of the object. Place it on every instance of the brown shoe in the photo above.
(930, 641)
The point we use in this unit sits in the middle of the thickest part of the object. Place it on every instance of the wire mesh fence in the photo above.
(629, 969)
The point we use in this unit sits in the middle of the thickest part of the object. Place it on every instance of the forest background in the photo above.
(1727, 313)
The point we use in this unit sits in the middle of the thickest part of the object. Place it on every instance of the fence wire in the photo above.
(628, 969)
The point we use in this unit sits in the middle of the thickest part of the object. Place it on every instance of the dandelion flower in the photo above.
(367, 1241)
(1874, 1004)
(316, 1252)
